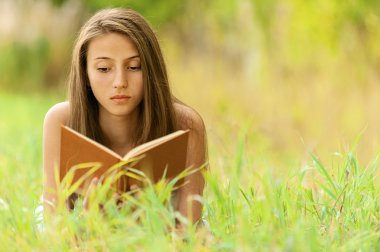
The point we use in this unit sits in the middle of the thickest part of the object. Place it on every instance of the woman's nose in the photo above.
(121, 80)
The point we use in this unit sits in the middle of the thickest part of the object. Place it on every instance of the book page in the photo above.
(151, 144)
(162, 158)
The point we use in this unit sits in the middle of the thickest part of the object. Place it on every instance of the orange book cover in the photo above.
(165, 155)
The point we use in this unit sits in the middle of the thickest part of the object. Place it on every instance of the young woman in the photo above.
(119, 95)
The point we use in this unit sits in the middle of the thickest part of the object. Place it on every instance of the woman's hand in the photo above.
(88, 200)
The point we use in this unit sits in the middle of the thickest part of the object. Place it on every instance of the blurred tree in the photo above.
(156, 11)
(264, 11)
(58, 3)
(303, 37)
(289, 36)
(22, 64)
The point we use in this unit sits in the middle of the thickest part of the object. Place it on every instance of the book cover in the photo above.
(166, 154)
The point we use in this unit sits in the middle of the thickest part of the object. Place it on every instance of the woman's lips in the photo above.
(120, 98)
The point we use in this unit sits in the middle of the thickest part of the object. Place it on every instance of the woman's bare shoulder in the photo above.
(188, 118)
(58, 114)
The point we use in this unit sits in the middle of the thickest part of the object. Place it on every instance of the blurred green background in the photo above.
(280, 77)
(272, 80)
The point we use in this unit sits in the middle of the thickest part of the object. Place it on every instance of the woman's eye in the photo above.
(103, 69)
(134, 68)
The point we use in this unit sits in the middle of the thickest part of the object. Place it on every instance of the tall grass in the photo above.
(330, 204)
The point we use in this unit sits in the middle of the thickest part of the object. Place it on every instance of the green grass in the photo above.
(326, 205)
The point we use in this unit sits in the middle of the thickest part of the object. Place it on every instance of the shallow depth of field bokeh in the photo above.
(273, 80)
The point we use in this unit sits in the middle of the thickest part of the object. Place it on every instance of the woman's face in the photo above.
(115, 75)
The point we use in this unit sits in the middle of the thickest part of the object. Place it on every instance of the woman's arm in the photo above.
(188, 204)
(56, 116)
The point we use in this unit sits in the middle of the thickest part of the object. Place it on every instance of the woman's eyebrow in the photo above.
(108, 58)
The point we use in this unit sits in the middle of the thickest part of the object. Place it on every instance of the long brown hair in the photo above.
(157, 114)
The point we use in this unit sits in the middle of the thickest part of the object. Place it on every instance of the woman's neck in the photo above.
(119, 132)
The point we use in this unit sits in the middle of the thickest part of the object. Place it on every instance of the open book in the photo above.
(163, 156)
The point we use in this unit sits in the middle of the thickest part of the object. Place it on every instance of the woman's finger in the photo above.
(118, 200)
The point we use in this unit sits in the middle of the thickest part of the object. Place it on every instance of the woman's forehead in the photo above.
(112, 46)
